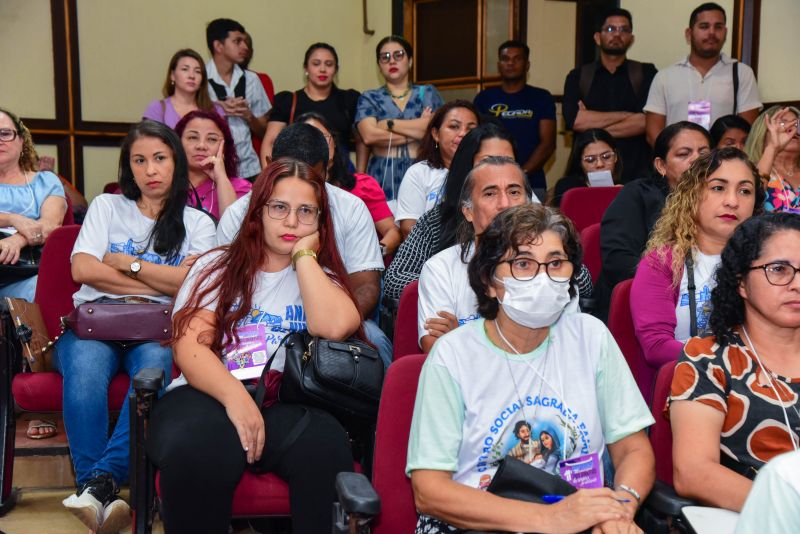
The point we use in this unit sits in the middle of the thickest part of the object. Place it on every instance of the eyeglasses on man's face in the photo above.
(611, 28)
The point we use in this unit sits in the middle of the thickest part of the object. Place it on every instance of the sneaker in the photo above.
(116, 517)
(90, 501)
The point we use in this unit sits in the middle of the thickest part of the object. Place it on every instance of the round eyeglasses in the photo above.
(281, 210)
(386, 57)
(7, 135)
(605, 156)
(778, 273)
(524, 269)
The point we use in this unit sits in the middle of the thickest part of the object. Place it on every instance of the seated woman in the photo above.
(283, 269)
(774, 145)
(581, 397)
(734, 402)
(630, 217)
(729, 131)
(132, 247)
(212, 158)
(361, 185)
(185, 89)
(392, 119)
(593, 151)
(422, 185)
(674, 280)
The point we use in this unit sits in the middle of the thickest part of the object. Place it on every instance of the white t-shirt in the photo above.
(420, 190)
(113, 223)
(775, 491)
(444, 286)
(353, 229)
(276, 305)
(704, 268)
(471, 395)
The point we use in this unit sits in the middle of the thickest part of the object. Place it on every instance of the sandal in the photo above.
(35, 428)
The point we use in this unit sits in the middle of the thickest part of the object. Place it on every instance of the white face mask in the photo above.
(534, 303)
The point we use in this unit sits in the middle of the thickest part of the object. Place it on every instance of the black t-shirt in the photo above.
(339, 109)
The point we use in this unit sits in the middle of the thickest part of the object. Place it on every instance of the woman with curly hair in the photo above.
(673, 282)
(734, 398)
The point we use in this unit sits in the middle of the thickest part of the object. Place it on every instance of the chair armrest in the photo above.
(356, 495)
(665, 502)
(149, 379)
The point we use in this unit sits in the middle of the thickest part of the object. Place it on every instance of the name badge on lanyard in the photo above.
(247, 358)
(582, 472)
(700, 113)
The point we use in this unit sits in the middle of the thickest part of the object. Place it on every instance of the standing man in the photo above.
(239, 91)
(707, 84)
(528, 112)
(610, 93)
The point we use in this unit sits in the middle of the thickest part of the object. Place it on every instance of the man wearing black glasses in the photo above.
(610, 93)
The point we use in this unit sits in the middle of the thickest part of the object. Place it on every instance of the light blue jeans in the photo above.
(376, 336)
(88, 366)
(24, 289)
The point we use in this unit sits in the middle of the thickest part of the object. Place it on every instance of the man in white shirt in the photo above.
(707, 84)
(238, 91)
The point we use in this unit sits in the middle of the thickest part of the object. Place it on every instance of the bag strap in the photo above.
(636, 77)
(735, 68)
(294, 106)
(692, 297)
(261, 389)
(586, 78)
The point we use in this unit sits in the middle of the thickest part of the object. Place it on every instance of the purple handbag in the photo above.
(123, 320)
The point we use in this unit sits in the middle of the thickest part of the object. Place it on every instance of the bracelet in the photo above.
(623, 487)
(299, 254)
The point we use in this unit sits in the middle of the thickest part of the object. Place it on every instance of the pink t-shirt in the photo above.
(166, 114)
(207, 192)
(368, 190)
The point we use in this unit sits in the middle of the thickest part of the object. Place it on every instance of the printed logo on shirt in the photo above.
(502, 111)
(294, 319)
(140, 251)
(468, 319)
(703, 298)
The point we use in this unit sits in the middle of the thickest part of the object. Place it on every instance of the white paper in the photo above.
(600, 179)
(10, 230)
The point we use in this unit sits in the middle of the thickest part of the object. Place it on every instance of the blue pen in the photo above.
(552, 499)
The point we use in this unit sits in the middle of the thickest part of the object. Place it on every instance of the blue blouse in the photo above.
(378, 103)
(27, 199)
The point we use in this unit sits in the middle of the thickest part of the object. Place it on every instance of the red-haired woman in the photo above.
(212, 158)
(282, 273)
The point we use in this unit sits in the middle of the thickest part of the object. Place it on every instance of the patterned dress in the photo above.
(781, 196)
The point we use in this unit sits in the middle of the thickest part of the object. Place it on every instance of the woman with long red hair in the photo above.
(282, 273)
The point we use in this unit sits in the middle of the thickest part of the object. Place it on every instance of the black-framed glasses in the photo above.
(280, 210)
(610, 28)
(605, 156)
(8, 135)
(524, 269)
(386, 57)
(779, 273)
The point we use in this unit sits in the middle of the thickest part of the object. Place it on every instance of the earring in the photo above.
(172, 83)
(436, 145)
(306, 73)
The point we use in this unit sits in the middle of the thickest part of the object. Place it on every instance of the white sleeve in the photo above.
(93, 237)
(748, 89)
(411, 198)
(657, 98)
(231, 220)
(202, 236)
(260, 105)
(435, 295)
(359, 248)
(189, 283)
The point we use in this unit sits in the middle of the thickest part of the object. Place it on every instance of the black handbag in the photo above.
(344, 378)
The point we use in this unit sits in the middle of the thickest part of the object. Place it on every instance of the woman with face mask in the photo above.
(526, 359)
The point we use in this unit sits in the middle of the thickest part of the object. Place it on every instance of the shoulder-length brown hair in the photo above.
(201, 97)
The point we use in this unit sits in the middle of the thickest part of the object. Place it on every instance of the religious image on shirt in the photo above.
(703, 311)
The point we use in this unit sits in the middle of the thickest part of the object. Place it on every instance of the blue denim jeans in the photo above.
(376, 336)
(88, 366)
(23, 289)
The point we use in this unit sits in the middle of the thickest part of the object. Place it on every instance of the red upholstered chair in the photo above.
(405, 327)
(586, 205)
(620, 323)
(112, 187)
(590, 239)
(69, 217)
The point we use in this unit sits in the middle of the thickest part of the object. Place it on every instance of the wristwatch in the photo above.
(390, 124)
(133, 270)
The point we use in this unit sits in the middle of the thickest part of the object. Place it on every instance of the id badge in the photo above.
(700, 113)
(582, 472)
(247, 358)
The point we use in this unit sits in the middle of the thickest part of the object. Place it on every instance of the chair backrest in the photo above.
(55, 286)
(586, 205)
(592, 258)
(405, 326)
(620, 323)
(661, 431)
(398, 514)
(69, 217)
(112, 187)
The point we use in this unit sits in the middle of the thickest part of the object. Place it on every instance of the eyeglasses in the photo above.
(386, 57)
(524, 269)
(605, 156)
(7, 134)
(280, 210)
(617, 29)
(778, 273)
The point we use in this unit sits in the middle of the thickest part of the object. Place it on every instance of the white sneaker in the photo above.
(116, 517)
(97, 506)
(86, 508)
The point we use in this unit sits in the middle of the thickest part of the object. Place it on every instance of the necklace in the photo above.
(399, 97)
(785, 172)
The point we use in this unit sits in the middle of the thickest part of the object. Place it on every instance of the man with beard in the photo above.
(528, 112)
(707, 84)
(610, 93)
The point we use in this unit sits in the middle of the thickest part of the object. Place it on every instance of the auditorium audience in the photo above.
(592, 151)
(630, 217)
(774, 145)
(734, 398)
(422, 185)
(392, 119)
(319, 95)
(526, 347)
(132, 248)
(212, 161)
(671, 293)
(185, 90)
(208, 430)
(729, 130)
